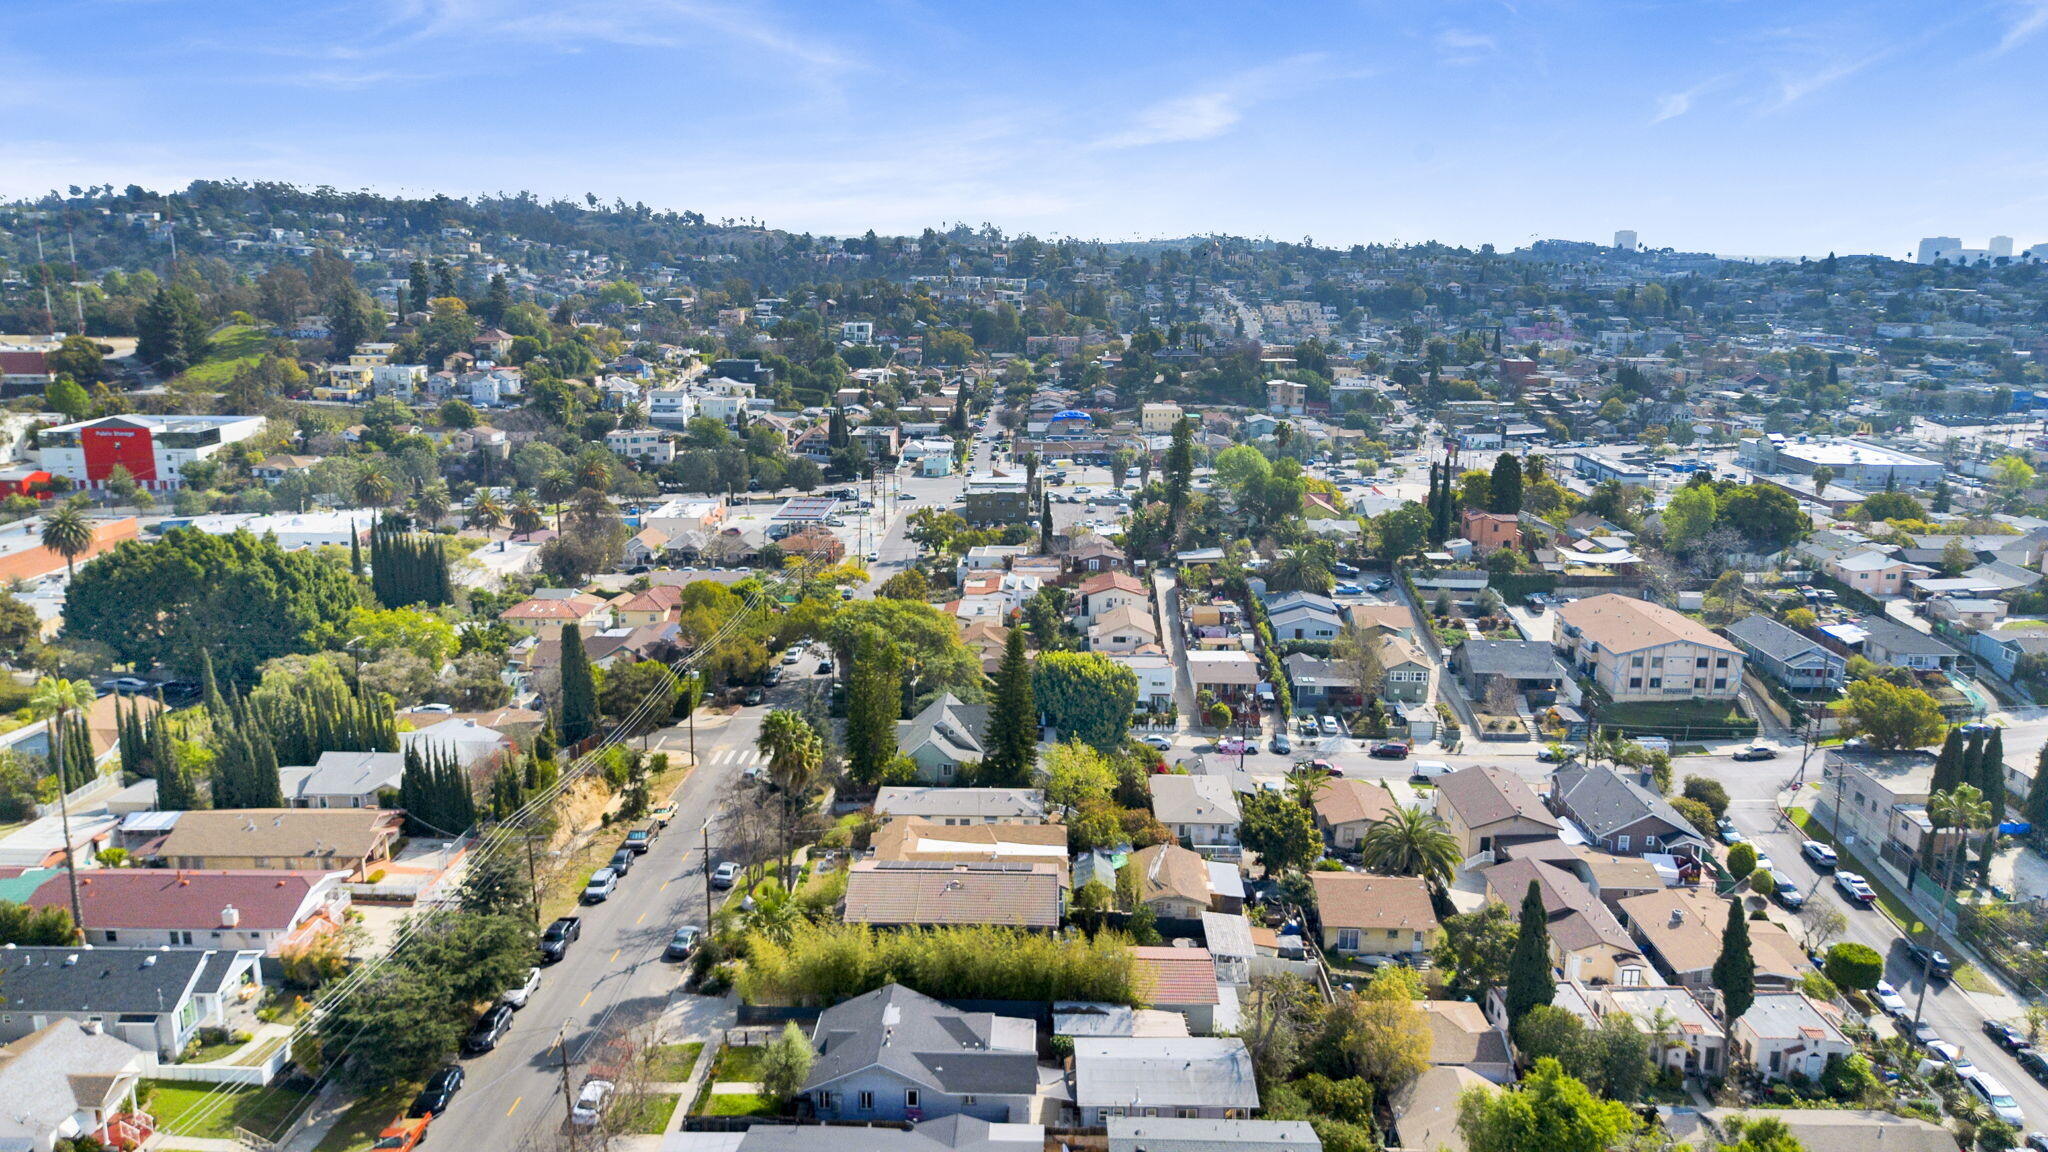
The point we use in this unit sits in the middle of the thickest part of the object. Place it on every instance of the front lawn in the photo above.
(738, 1063)
(738, 1104)
(671, 1063)
(212, 1112)
(652, 1116)
(1680, 718)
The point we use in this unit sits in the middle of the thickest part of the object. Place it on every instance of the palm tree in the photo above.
(527, 517)
(795, 756)
(554, 487)
(1411, 842)
(431, 503)
(486, 513)
(57, 698)
(373, 488)
(67, 533)
(1304, 781)
(594, 472)
(1963, 808)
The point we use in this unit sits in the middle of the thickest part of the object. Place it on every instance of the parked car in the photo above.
(1429, 769)
(1157, 742)
(663, 813)
(1933, 960)
(1319, 766)
(1389, 750)
(1819, 854)
(2007, 1037)
(1787, 891)
(622, 861)
(560, 934)
(488, 1030)
(1756, 752)
(1331, 727)
(600, 886)
(1346, 588)
(1924, 1034)
(2034, 1063)
(640, 837)
(825, 666)
(1857, 889)
(128, 685)
(752, 697)
(1343, 569)
(1731, 837)
(792, 656)
(1888, 998)
(1281, 745)
(1380, 584)
(725, 874)
(402, 1135)
(520, 993)
(591, 1102)
(682, 943)
(1995, 1094)
(440, 1089)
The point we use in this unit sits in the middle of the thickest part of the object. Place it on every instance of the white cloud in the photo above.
(1210, 113)
(2029, 17)
(1672, 105)
(1461, 46)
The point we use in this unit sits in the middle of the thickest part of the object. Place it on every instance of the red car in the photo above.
(1391, 750)
(403, 1135)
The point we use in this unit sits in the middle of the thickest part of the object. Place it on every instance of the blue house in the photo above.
(1786, 655)
(897, 1055)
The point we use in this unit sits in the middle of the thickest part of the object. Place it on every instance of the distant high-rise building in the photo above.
(2001, 246)
(1625, 240)
(1938, 248)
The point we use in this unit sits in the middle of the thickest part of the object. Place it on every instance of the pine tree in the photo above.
(1530, 979)
(1045, 523)
(579, 688)
(1013, 722)
(874, 704)
(1973, 758)
(355, 555)
(1735, 969)
(1505, 493)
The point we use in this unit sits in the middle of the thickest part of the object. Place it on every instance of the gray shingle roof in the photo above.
(111, 981)
(924, 1041)
(949, 722)
(1604, 802)
(1769, 637)
(1515, 659)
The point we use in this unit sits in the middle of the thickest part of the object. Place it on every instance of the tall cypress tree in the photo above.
(1991, 773)
(2036, 807)
(1948, 766)
(579, 688)
(1530, 979)
(1973, 758)
(874, 703)
(209, 688)
(1013, 723)
(1735, 969)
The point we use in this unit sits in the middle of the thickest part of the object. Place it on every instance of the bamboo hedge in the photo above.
(823, 964)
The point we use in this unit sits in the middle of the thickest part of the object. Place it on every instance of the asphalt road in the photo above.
(616, 968)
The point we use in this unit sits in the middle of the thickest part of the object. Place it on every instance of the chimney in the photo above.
(230, 916)
(1677, 917)
(92, 1027)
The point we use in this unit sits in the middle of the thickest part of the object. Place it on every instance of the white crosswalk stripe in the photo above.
(736, 756)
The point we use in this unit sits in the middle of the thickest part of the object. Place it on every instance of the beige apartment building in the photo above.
(1637, 650)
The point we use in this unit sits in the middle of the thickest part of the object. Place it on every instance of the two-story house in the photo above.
(1621, 815)
(1793, 659)
(1637, 651)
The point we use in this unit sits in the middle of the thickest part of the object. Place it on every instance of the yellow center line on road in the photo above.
(586, 998)
(642, 916)
(615, 955)
(515, 1105)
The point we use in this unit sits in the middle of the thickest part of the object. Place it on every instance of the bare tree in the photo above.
(1358, 654)
(1500, 697)
(1824, 922)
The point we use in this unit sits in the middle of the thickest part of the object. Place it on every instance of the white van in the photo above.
(1995, 1094)
(1432, 768)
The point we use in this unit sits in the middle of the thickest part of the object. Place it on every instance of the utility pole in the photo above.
(568, 1095)
(532, 880)
(705, 867)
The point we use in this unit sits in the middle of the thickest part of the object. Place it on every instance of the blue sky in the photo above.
(1738, 126)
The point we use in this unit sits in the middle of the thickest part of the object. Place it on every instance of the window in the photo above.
(1151, 1111)
(1621, 843)
(1636, 663)
(1631, 977)
(867, 1101)
(113, 937)
(1649, 843)
(910, 1097)
(1635, 682)
(1721, 682)
(1186, 1113)
(1656, 681)
(1656, 661)
(181, 938)
(1347, 940)
(1700, 663)
(1721, 663)
(945, 769)
(967, 1100)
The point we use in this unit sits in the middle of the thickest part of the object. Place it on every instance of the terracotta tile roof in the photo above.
(141, 898)
(1342, 801)
(1014, 895)
(1625, 624)
(1177, 975)
(546, 608)
(1364, 900)
(659, 598)
(1102, 582)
